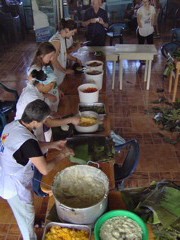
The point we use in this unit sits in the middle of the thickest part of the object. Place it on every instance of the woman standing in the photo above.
(145, 20)
(20, 152)
(66, 29)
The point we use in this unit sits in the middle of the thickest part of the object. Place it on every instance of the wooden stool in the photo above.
(177, 64)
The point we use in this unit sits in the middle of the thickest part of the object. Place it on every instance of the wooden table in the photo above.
(115, 202)
(71, 82)
(177, 65)
(108, 54)
(136, 52)
(69, 104)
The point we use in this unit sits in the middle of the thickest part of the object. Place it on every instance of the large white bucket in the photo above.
(99, 67)
(97, 79)
(64, 183)
(88, 97)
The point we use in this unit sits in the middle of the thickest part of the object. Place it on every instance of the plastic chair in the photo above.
(129, 165)
(175, 35)
(116, 31)
(169, 49)
(8, 106)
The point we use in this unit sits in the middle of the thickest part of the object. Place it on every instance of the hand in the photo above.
(79, 61)
(61, 93)
(93, 20)
(101, 21)
(66, 151)
(69, 71)
(51, 97)
(59, 145)
(75, 120)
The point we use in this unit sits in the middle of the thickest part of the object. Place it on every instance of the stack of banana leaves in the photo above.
(91, 148)
(159, 205)
(167, 116)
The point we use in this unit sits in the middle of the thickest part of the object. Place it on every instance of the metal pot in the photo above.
(81, 215)
(88, 129)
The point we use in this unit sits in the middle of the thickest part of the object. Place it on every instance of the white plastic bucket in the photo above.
(97, 79)
(94, 62)
(87, 215)
(88, 97)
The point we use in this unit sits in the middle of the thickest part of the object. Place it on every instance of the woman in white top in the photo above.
(42, 84)
(66, 29)
(43, 60)
(145, 20)
(20, 151)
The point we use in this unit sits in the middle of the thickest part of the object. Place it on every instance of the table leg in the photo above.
(146, 70)
(170, 81)
(175, 85)
(113, 77)
(120, 73)
(149, 74)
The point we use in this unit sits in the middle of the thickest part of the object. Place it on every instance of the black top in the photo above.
(29, 149)
(95, 29)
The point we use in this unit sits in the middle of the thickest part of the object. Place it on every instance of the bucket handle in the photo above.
(93, 163)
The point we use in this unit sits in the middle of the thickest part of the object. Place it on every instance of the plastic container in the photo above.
(88, 97)
(116, 213)
(91, 68)
(94, 78)
(88, 129)
(66, 225)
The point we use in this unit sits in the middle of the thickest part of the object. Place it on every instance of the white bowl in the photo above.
(91, 68)
(88, 129)
(94, 78)
(88, 97)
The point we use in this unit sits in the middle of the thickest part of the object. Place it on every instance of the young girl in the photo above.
(145, 20)
(66, 29)
(42, 60)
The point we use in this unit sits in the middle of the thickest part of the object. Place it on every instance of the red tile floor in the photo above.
(158, 159)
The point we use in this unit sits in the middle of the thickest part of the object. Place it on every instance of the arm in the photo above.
(45, 167)
(60, 122)
(72, 58)
(89, 21)
(153, 20)
(101, 21)
(55, 61)
(139, 20)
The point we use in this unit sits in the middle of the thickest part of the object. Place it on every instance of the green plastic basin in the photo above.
(116, 213)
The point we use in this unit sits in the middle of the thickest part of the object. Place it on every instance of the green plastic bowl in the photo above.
(116, 213)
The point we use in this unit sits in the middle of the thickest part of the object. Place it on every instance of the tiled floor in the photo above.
(158, 159)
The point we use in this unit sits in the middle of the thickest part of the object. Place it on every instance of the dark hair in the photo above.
(35, 111)
(39, 75)
(70, 24)
(43, 49)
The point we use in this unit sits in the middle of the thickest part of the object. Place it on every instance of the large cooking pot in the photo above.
(65, 179)
(88, 129)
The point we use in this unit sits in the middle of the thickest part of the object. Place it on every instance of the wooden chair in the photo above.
(177, 74)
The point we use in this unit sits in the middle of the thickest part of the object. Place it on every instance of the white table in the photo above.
(136, 52)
